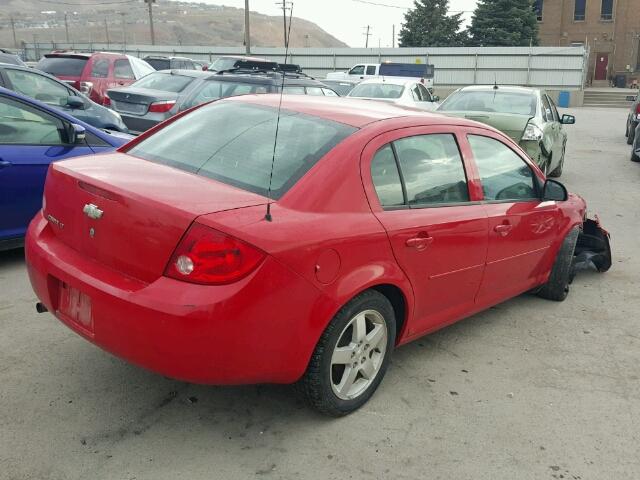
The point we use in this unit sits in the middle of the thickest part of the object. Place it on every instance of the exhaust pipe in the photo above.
(40, 308)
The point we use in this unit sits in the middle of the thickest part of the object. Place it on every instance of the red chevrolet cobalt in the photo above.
(384, 224)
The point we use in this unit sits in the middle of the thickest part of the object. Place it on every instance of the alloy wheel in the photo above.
(358, 354)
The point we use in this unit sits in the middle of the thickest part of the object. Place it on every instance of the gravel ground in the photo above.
(530, 389)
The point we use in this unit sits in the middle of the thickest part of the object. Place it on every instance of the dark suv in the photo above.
(163, 94)
(170, 63)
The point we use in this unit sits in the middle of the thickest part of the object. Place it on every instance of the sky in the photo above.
(347, 19)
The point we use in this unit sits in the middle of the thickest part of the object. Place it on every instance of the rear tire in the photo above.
(557, 286)
(558, 170)
(351, 356)
(631, 133)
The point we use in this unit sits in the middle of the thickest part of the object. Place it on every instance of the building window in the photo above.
(578, 10)
(537, 6)
(606, 12)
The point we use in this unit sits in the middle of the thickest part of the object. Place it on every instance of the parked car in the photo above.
(170, 63)
(341, 87)
(400, 91)
(528, 115)
(373, 225)
(11, 59)
(33, 135)
(633, 119)
(635, 149)
(367, 71)
(229, 62)
(94, 73)
(56, 93)
(161, 95)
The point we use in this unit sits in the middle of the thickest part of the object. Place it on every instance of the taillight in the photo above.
(106, 101)
(209, 257)
(638, 109)
(86, 87)
(162, 107)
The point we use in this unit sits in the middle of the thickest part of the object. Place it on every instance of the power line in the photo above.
(377, 4)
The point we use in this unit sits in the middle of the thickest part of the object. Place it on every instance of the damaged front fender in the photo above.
(593, 249)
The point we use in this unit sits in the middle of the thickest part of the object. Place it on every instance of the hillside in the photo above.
(177, 23)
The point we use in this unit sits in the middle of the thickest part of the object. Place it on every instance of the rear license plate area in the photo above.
(75, 306)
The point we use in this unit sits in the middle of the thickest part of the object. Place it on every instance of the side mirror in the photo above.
(567, 119)
(631, 98)
(74, 102)
(435, 98)
(554, 190)
(76, 134)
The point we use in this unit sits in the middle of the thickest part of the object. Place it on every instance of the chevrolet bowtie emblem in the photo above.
(92, 211)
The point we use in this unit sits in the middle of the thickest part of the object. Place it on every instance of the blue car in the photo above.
(48, 89)
(32, 135)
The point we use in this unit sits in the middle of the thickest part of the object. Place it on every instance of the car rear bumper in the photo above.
(137, 124)
(258, 330)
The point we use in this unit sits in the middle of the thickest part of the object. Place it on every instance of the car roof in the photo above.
(390, 80)
(274, 78)
(164, 57)
(491, 88)
(355, 112)
(185, 72)
(10, 66)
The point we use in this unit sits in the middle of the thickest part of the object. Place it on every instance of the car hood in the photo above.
(511, 124)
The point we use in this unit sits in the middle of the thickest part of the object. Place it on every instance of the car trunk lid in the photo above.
(137, 100)
(129, 214)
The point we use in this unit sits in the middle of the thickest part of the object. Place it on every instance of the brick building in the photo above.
(609, 28)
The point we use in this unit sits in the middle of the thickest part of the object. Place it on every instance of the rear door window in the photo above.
(122, 69)
(371, 70)
(386, 178)
(546, 109)
(100, 68)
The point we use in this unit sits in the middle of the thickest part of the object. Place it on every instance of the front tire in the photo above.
(351, 356)
(631, 134)
(557, 286)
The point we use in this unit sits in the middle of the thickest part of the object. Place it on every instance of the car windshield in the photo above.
(159, 63)
(234, 144)
(62, 66)
(166, 82)
(223, 64)
(491, 101)
(376, 90)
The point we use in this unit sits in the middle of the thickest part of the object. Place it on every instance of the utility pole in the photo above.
(368, 34)
(106, 30)
(285, 6)
(153, 36)
(124, 33)
(66, 26)
(13, 28)
(247, 28)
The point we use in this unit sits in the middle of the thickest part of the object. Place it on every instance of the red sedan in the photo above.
(384, 225)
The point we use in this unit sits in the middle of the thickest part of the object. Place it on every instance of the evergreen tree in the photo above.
(428, 25)
(508, 23)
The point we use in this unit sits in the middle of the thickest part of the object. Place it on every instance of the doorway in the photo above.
(602, 62)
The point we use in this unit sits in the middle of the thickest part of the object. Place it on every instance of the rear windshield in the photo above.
(159, 63)
(491, 101)
(166, 82)
(62, 66)
(223, 64)
(377, 90)
(216, 89)
(233, 143)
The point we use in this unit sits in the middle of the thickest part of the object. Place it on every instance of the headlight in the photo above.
(532, 132)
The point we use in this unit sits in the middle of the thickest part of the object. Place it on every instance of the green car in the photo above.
(528, 115)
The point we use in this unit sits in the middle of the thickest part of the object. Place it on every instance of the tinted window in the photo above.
(38, 86)
(376, 90)
(504, 175)
(233, 143)
(357, 70)
(24, 125)
(100, 68)
(164, 81)
(158, 63)
(386, 179)
(578, 10)
(432, 169)
(122, 69)
(371, 70)
(215, 89)
(491, 101)
(62, 66)
(316, 91)
(10, 59)
(329, 93)
(294, 91)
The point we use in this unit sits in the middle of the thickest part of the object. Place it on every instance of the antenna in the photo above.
(267, 215)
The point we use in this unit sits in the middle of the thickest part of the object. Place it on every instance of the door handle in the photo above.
(503, 229)
(419, 243)
(4, 164)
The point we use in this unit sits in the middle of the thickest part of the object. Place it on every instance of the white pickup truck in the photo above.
(364, 71)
